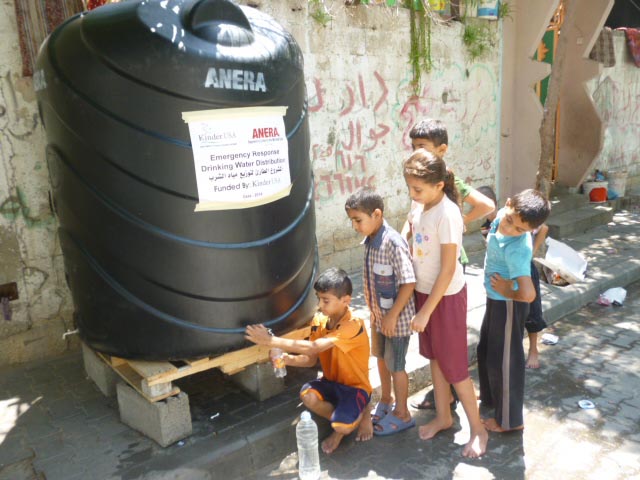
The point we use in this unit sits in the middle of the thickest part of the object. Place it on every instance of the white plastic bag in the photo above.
(613, 296)
(564, 260)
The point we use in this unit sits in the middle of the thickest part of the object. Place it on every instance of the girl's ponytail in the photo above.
(450, 188)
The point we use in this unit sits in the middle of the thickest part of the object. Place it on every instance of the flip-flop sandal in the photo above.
(382, 410)
(391, 424)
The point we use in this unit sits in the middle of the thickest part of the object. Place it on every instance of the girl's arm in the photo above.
(406, 231)
(448, 260)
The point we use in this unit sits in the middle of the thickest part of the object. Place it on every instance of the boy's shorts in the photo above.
(349, 402)
(445, 338)
(392, 349)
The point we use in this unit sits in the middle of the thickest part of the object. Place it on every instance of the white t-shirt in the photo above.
(442, 223)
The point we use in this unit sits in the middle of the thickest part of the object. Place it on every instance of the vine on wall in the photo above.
(477, 36)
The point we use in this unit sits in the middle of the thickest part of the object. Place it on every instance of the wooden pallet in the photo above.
(153, 379)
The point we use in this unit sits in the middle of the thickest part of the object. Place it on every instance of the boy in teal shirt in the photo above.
(509, 287)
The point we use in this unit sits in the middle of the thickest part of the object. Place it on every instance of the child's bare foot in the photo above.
(365, 431)
(477, 445)
(330, 443)
(493, 426)
(433, 427)
(533, 361)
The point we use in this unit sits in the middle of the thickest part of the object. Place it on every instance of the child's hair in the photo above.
(365, 200)
(532, 207)
(432, 130)
(488, 192)
(334, 280)
(431, 169)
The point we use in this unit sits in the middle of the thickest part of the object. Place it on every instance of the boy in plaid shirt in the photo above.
(388, 287)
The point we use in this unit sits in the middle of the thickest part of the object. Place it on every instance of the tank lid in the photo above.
(221, 22)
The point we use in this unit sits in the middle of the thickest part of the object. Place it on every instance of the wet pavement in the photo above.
(55, 423)
(597, 358)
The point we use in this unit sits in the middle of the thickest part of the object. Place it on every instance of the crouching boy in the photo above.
(341, 343)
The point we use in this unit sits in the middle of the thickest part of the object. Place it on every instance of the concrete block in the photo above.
(102, 374)
(258, 379)
(165, 422)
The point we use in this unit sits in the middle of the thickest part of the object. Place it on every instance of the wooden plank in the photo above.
(199, 361)
(151, 369)
(115, 361)
(143, 375)
(228, 362)
(133, 378)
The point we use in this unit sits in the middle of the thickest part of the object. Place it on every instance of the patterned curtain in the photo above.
(36, 19)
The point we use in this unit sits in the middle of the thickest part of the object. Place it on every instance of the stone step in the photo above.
(579, 220)
(566, 202)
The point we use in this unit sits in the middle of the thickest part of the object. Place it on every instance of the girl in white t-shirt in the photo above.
(441, 293)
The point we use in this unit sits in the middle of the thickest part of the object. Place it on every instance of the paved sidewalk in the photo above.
(595, 359)
(55, 424)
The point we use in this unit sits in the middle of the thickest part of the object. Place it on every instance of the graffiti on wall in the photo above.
(16, 205)
(466, 101)
(17, 127)
(342, 162)
(372, 118)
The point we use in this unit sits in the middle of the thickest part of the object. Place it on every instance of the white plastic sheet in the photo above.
(565, 261)
(613, 296)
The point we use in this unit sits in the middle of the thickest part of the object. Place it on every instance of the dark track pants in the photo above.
(501, 361)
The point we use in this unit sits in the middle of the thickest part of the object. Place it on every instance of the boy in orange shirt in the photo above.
(341, 343)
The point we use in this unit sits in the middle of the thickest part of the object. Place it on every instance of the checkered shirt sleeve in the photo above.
(393, 251)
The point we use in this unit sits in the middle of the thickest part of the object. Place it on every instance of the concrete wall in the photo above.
(361, 108)
(30, 254)
(616, 94)
(581, 127)
(521, 109)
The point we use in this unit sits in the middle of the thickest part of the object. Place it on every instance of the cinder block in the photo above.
(165, 422)
(258, 379)
(98, 371)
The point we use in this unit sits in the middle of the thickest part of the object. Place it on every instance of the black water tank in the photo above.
(150, 278)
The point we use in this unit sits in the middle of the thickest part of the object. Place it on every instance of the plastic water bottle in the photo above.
(308, 457)
(277, 360)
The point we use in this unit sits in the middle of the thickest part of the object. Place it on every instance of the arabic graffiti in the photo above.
(372, 119)
(318, 102)
(342, 163)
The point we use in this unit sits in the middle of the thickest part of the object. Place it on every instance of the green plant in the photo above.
(478, 39)
(505, 10)
(420, 51)
(319, 12)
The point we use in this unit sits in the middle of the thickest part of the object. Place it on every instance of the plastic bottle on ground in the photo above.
(308, 456)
